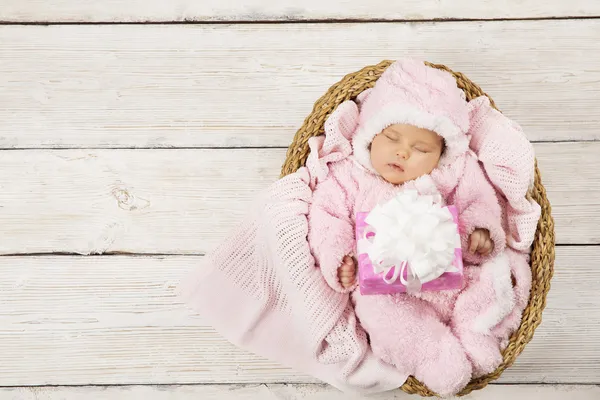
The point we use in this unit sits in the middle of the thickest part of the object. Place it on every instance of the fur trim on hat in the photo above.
(410, 92)
(456, 142)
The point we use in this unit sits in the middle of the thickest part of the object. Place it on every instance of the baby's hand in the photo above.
(347, 272)
(480, 242)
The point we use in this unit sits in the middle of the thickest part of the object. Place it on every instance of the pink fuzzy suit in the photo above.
(442, 338)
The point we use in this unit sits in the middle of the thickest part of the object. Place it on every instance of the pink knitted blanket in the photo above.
(261, 290)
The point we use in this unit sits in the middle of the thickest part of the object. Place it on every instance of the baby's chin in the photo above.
(395, 178)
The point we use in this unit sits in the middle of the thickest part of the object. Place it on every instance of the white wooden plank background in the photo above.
(287, 392)
(252, 85)
(116, 320)
(180, 201)
(74, 320)
(286, 10)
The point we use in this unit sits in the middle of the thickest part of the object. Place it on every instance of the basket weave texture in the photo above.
(542, 256)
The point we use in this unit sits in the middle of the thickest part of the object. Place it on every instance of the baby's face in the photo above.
(401, 153)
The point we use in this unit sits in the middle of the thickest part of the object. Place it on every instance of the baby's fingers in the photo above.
(486, 246)
(347, 281)
(348, 261)
(489, 247)
(474, 242)
(347, 272)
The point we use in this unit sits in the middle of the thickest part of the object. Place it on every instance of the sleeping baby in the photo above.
(412, 134)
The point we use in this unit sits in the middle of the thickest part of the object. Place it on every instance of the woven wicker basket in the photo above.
(542, 257)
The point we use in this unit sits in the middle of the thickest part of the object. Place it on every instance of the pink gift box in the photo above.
(372, 283)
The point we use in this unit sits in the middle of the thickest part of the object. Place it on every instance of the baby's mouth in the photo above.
(397, 167)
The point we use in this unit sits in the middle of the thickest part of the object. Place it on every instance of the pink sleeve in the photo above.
(331, 228)
(478, 207)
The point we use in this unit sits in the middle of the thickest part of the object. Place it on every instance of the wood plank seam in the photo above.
(199, 254)
(289, 10)
(201, 147)
(279, 391)
(284, 21)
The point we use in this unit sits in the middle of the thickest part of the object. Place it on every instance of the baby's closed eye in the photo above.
(391, 136)
(422, 149)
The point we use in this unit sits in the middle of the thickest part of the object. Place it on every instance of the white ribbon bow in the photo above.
(412, 233)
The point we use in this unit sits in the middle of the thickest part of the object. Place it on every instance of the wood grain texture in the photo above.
(73, 320)
(186, 201)
(114, 86)
(286, 10)
(137, 201)
(287, 392)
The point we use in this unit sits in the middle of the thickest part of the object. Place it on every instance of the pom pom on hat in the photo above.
(410, 92)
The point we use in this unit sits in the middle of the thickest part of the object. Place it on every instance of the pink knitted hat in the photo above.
(409, 92)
